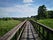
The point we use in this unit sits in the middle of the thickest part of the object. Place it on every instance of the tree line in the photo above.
(12, 18)
(43, 13)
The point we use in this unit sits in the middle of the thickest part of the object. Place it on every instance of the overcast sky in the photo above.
(22, 8)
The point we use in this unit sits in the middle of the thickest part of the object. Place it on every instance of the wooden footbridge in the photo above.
(29, 30)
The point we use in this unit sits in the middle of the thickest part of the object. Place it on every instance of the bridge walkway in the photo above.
(29, 33)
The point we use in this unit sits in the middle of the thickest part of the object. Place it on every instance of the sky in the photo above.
(22, 8)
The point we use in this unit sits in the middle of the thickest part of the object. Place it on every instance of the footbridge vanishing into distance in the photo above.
(29, 30)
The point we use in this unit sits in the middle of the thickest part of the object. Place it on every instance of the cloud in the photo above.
(25, 10)
(27, 1)
(49, 8)
(21, 8)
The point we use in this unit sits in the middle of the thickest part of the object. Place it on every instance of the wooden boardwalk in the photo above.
(29, 33)
(25, 31)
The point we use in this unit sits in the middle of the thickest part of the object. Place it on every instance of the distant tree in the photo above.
(42, 13)
(50, 14)
(32, 16)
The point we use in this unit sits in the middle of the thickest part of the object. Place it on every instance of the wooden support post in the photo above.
(16, 36)
(43, 33)
(39, 31)
(47, 37)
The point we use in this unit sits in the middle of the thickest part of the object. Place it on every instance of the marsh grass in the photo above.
(47, 22)
(6, 26)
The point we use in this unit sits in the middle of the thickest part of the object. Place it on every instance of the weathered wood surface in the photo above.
(44, 32)
(29, 33)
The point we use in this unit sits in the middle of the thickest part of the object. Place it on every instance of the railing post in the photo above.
(36, 27)
(43, 33)
(16, 36)
(47, 36)
(39, 31)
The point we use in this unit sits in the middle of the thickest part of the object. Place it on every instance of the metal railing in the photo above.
(44, 32)
(15, 33)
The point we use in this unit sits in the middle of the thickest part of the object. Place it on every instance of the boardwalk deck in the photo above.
(29, 33)
(26, 31)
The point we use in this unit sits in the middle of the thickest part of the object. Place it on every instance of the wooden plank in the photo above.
(29, 33)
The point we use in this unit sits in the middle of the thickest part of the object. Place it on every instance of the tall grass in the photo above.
(5, 26)
(47, 22)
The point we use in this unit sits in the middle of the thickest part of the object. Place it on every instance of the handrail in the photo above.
(44, 26)
(20, 34)
(44, 32)
(9, 35)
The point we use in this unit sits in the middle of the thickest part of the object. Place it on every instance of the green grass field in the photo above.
(5, 26)
(47, 22)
